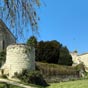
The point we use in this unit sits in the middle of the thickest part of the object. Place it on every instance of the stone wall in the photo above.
(19, 57)
(61, 78)
(6, 37)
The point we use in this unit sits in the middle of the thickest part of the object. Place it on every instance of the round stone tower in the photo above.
(18, 58)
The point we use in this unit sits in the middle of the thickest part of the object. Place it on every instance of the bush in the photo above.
(33, 77)
(4, 76)
(80, 67)
(2, 58)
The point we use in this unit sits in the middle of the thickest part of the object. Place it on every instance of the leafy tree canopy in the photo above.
(50, 51)
(32, 41)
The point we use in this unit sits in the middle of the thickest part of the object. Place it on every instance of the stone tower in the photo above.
(19, 57)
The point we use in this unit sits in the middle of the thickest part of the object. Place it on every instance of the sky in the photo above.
(65, 21)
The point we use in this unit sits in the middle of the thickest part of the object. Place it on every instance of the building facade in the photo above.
(82, 58)
(6, 37)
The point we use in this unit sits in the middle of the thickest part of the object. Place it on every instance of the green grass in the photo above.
(71, 84)
(2, 85)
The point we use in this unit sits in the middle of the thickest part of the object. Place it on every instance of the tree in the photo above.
(19, 13)
(64, 57)
(50, 51)
(39, 51)
(32, 41)
(53, 52)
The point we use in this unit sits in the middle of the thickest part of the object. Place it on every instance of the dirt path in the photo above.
(15, 83)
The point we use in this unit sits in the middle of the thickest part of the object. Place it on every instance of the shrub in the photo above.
(33, 77)
(2, 57)
(81, 70)
(80, 67)
(4, 76)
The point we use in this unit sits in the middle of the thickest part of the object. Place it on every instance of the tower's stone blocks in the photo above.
(19, 57)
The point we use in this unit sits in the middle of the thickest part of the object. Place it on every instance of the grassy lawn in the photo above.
(3, 85)
(71, 84)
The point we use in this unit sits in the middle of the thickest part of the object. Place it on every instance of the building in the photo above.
(80, 58)
(6, 37)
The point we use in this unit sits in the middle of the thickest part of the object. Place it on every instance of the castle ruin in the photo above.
(19, 57)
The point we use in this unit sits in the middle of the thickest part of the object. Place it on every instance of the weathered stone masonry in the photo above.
(19, 57)
(82, 58)
(6, 37)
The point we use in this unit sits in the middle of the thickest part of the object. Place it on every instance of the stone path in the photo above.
(15, 83)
